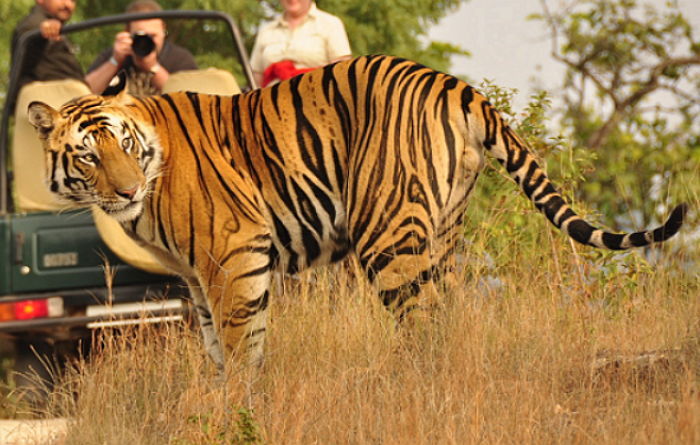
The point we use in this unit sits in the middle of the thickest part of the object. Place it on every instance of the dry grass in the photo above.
(547, 357)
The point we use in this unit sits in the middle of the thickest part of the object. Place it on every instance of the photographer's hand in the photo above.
(122, 47)
(99, 78)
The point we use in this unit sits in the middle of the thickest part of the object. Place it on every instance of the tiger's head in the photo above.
(98, 152)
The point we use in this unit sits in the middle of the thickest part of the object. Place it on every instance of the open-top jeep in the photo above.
(66, 271)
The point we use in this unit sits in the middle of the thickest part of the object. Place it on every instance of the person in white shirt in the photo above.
(302, 38)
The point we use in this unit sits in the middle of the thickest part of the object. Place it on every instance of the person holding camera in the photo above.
(142, 51)
(50, 56)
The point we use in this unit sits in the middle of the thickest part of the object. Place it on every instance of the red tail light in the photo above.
(30, 309)
(26, 310)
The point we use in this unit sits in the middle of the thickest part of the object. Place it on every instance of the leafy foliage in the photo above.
(15, 9)
(398, 28)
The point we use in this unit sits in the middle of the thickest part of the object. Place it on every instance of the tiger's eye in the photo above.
(127, 143)
(91, 158)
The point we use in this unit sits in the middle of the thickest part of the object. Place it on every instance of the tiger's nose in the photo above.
(128, 193)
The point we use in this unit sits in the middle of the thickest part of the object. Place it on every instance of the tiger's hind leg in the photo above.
(449, 237)
(399, 261)
(411, 263)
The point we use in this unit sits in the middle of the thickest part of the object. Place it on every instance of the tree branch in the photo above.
(623, 108)
(652, 82)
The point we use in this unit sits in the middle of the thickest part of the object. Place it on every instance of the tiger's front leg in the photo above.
(237, 292)
(206, 324)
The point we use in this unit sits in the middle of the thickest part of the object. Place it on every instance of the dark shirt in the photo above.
(45, 59)
(172, 57)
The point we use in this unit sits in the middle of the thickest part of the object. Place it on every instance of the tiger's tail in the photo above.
(510, 150)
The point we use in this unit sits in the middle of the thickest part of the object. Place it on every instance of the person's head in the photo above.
(60, 9)
(296, 8)
(155, 28)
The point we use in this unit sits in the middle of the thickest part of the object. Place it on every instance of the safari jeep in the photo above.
(63, 271)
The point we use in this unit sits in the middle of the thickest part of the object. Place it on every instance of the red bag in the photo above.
(282, 70)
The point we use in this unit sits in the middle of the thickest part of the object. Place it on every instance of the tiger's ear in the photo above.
(42, 117)
(116, 86)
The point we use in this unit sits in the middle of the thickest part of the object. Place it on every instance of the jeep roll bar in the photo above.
(20, 54)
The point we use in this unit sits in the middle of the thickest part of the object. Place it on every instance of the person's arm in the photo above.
(160, 75)
(105, 68)
(99, 78)
(34, 47)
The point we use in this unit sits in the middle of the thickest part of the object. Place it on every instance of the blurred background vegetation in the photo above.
(608, 141)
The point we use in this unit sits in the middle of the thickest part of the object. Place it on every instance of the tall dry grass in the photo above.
(537, 351)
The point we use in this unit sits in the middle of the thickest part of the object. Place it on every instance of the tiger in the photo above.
(376, 157)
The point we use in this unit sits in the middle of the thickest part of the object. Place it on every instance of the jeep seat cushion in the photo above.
(207, 81)
(31, 192)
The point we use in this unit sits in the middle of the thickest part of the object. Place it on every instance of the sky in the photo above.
(510, 50)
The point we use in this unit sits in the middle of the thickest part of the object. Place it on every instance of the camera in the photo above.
(142, 44)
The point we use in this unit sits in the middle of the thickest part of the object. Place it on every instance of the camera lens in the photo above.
(142, 44)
